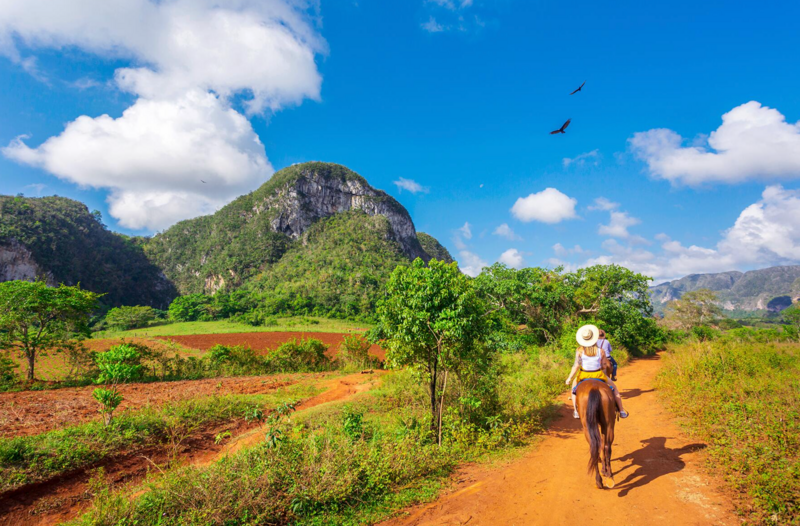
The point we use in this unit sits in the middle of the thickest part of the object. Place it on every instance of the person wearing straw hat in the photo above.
(588, 359)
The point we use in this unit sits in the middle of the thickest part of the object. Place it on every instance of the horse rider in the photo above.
(588, 358)
(605, 345)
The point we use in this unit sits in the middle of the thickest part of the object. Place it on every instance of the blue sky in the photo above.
(457, 96)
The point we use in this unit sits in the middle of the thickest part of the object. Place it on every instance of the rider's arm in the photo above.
(574, 367)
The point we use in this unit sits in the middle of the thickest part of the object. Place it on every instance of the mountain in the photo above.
(224, 250)
(315, 237)
(773, 288)
(57, 239)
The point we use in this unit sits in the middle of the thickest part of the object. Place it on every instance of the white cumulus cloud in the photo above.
(187, 61)
(506, 232)
(470, 263)
(512, 258)
(410, 185)
(618, 225)
(547, 206)
(753, 142)
(153, 158)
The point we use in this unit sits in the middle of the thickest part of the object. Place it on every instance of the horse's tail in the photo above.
(592, 426)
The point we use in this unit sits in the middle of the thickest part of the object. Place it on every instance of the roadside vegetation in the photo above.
(352, 462)
(742, 397)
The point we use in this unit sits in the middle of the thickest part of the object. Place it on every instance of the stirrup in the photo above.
(624, 414)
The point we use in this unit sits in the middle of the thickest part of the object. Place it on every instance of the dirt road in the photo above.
(658, 476)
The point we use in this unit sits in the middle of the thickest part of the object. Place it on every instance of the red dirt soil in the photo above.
(264, 341)
(33, 412)
(659, 476)
(64, 498)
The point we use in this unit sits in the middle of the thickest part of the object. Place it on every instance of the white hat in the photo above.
(587, 335)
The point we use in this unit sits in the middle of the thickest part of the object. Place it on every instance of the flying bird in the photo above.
(577, 90)
(562, 128)
(202, 181)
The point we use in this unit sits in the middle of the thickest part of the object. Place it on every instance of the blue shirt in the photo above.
(604, 344)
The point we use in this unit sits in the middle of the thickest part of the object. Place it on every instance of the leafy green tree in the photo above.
(693, 309)
(35, 318)
(189, 308)
(126, 318)
(120, 364)
(792, 315)
(431, 319)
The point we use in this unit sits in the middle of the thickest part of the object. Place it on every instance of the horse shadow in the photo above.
(652, 461)
(633, 393)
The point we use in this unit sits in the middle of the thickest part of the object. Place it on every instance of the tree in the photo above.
(35, 318)
(120, 364)
(125, 318)
(430, 319)
(693, 309)
(792, 315)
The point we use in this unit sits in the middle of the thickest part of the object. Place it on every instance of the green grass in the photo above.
(293, 324)
(744, 400)
(24, 460)
(348, 463)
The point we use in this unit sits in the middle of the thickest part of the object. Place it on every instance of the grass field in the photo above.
(297, 324)
(744, 400)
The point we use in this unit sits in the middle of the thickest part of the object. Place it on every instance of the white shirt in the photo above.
(589, 363)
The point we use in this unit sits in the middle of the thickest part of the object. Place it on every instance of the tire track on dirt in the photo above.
(658, 475)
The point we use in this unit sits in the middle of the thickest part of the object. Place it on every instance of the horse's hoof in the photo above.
(608, 482)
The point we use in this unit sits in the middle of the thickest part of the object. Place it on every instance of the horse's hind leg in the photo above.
(608, 440)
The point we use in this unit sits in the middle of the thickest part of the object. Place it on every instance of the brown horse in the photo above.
(598, 411)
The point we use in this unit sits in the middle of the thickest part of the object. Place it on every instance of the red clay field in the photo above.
(264, 341)
(33, 412)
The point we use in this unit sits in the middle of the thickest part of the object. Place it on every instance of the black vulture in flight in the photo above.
(562, 128)
(577, 90)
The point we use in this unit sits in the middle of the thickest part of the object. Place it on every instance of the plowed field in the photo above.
(263, 341)
(33, 412)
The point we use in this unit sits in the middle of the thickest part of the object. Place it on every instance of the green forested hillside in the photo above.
(73, 246)
(434, 249)
(222, 251)
(337, 268)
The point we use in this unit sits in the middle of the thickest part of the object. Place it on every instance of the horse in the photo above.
(598, 411)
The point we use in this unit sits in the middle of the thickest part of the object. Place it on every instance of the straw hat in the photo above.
(587, 335)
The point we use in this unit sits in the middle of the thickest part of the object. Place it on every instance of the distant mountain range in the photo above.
(770, 289)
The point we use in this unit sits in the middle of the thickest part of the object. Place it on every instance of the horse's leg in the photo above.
(608, 441)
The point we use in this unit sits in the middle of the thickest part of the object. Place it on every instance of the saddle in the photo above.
(575, 389)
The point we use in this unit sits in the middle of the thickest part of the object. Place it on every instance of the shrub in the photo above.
(236, 360)
(354, 353)
(120, 364)
(126, 318)
(298, 356)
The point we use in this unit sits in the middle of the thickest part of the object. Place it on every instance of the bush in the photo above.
(236, 360)
(299, 356)
(126, 318)
(354, 353)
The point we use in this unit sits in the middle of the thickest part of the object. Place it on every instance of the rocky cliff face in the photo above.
(17, 263)
(314, 194)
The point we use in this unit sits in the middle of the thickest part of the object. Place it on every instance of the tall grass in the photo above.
(744, 400)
